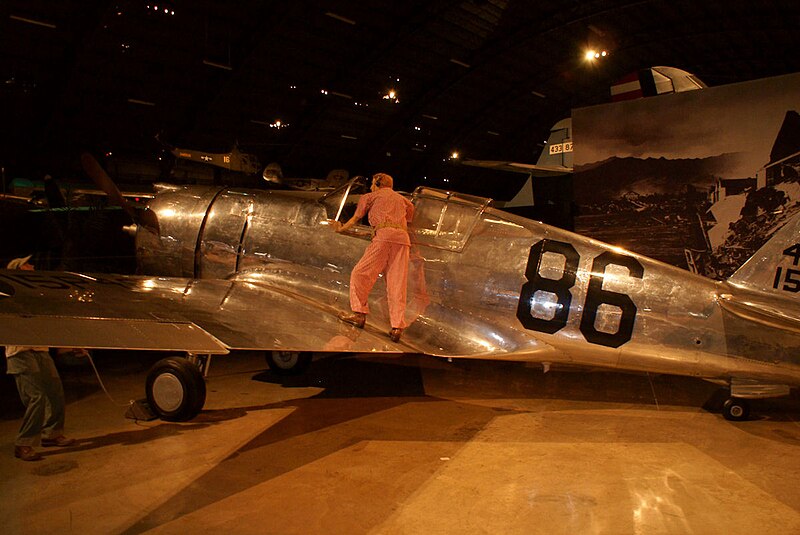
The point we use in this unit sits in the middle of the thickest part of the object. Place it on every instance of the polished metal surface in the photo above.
(264, 270)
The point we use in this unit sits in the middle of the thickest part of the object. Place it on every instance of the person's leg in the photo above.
(396, 284)
(364, 275)
(54, 393)
(32, 396)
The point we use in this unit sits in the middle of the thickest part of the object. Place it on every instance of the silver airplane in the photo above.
(228, 269)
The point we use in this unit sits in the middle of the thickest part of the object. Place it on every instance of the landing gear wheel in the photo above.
(736, 409)
(288, 362)
(176, 390)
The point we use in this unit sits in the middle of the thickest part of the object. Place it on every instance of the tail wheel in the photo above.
(175, 389)
(736, 409)
(288, 362)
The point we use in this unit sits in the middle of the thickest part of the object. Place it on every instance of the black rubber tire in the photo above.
(736, 409)
(288, 362)
(175, 389)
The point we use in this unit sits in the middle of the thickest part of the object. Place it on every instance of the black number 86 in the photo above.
(595, 294)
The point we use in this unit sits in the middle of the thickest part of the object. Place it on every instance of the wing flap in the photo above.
(107, 333)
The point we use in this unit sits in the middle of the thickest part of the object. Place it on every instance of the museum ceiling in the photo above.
(484, 78)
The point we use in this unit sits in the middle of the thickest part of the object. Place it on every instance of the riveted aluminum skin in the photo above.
(264, 270)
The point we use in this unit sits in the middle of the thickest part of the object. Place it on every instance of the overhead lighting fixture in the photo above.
(492, 133)
(217, 65)
(165, 10)
(141, 102)
(33, 21)
(278, 124)
(343, 95)
(432, 117)
(340, 18)
(392, 95)
(591, 55)
(348, 137)
(263, 123)
(460, 63)
(454, 155)
(536, 93)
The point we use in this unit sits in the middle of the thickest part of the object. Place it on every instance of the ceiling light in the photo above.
(391, 95)
(591, 55)
(460, 63)
(278, 124)
(348, 137)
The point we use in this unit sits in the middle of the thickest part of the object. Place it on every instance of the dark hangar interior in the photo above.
(485, 79)
(401, 441)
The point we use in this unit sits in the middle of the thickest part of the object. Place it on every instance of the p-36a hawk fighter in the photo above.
(235, 269)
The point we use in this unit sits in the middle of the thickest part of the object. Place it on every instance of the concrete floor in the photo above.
(407, 445)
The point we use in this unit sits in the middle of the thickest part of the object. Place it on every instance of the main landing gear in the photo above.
(176, 387)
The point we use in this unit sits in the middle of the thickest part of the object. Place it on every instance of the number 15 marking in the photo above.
(595, 294)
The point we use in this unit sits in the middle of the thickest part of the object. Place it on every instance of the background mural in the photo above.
(698, 179)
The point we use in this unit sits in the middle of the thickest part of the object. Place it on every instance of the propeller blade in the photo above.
(145, 218)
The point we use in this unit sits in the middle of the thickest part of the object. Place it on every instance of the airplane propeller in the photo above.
(142, 217)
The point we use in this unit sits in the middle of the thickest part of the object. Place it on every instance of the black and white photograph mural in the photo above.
(698, 179)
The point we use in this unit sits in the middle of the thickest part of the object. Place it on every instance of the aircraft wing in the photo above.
(279, 309)
(524, 168)
(60, 309)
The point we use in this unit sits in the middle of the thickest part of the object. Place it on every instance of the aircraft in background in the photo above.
(229, 269)
(273, 174)
(655, 81)
(556, 158)
(235, 160)
(246, 163)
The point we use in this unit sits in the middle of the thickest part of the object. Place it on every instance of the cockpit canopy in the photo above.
(442, 219)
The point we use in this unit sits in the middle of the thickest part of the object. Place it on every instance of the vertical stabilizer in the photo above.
(775, 267)
(558, 151)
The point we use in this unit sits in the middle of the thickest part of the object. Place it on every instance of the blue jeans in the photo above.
(42, 394)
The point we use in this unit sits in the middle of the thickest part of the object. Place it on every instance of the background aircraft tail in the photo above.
(554, 160)
(775, 267)
(558, 151)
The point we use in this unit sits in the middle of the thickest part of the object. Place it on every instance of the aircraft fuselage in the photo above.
(482, 283)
